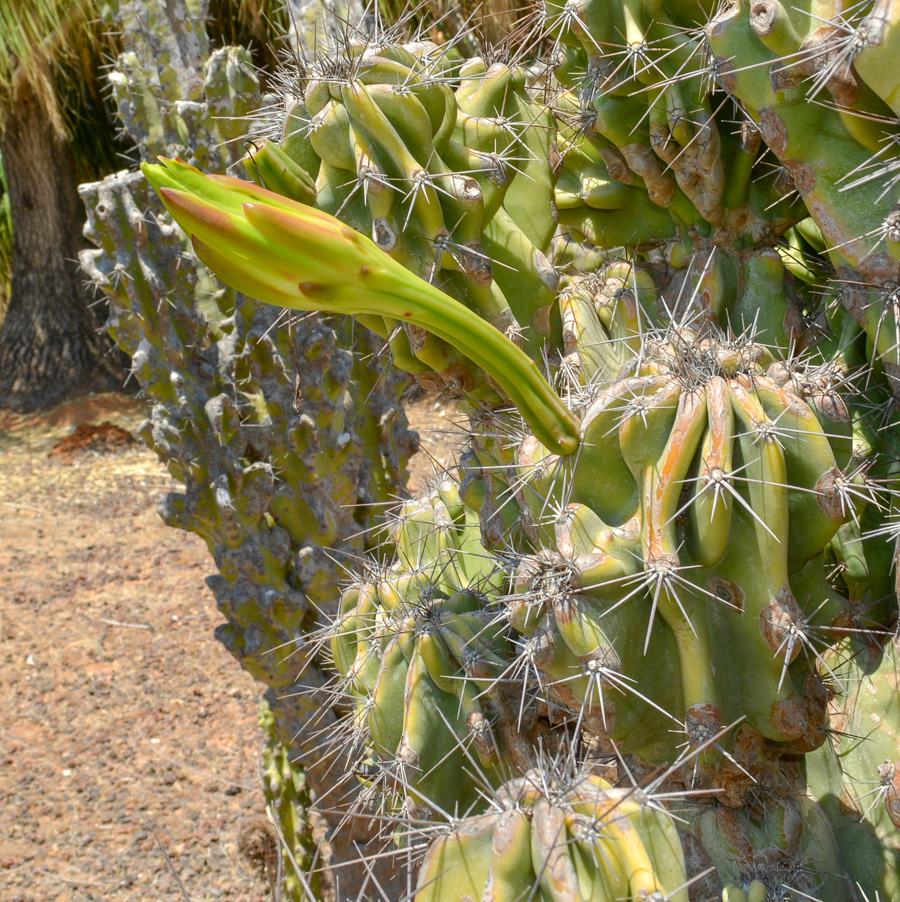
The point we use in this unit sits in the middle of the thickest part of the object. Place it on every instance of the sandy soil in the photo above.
(129, 748)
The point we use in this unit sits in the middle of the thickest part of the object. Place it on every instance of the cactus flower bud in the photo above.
(287, 253)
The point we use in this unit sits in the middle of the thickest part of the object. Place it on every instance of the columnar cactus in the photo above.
(642, 645)
(283, 470)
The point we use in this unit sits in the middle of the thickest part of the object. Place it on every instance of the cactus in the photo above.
(289, 800)
(643, 643)
(455, 183)
(570, 835)
(282, 470)
(856, 773)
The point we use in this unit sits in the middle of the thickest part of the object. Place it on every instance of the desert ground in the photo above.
(129, 744)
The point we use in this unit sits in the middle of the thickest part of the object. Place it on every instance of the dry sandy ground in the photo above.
(129, 748)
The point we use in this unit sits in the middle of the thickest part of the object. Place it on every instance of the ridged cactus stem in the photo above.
(290, 803)
(283, 470)
(664, 665)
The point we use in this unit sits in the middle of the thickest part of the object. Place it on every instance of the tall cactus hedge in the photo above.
(642, 643)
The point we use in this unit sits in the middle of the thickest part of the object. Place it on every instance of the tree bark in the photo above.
(51, 346)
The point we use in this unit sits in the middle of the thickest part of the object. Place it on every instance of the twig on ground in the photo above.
(162, 849)
(134, 626)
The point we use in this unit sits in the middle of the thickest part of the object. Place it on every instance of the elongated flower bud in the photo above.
(286, 253)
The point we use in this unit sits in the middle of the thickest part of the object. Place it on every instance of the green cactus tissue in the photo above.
(641, 643)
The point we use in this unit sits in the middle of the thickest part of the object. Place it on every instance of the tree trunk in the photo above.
(51, 346)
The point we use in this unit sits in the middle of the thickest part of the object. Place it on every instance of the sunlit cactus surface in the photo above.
(642, 642)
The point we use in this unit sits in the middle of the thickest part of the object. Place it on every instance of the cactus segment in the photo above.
(289, 803)
(264, 243)
(582, 839)
(422, 655)
(795, 850)
(855, 773)
(272, 168)
(732, 486)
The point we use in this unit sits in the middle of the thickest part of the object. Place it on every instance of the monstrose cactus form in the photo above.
(643, 642)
